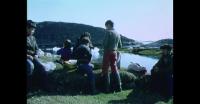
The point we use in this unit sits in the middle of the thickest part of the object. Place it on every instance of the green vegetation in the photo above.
(124, 97)
(144, 52)
(148, 52)
(70, 88)
(160, 43)
(125, 50)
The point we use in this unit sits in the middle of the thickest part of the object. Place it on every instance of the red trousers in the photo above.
(109, 59)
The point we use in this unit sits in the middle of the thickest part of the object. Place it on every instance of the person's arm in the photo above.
(36, 47)
(30, 52)
(30, 57)
(169, 68)
(59, 51)
(120, 43)
(157, 65)
(171, 65)
(89, 55)
(29, 48)
(105, 41)
(91, 45)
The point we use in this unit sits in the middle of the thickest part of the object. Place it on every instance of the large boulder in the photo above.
(71, 80)
(137, 69)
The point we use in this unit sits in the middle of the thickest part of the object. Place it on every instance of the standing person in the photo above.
(84, 56)
(112, 41)
(35, 70)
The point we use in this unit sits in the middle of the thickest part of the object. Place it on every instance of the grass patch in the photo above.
(124, 97)
(148, 52)
(125, 50)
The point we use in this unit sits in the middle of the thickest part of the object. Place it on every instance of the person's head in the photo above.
(85, 34)
(31, 26)
(85, 41)
(67, 43)
(165, 49)
(109, 24)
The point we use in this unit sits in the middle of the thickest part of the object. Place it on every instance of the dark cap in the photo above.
(166, 46)
(30, 23)
(68, 43)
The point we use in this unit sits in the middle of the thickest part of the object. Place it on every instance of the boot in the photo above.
(112, 83)
(106, 80)
(116, 81)
(92, 87)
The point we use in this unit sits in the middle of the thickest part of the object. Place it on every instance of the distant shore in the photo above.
(144, 52)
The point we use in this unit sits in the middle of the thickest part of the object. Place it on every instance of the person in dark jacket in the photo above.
(65, 52)
(162, 72)
(78, 42)
(83, 55)
(36, 73)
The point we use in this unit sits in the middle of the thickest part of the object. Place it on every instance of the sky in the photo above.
(142, 20)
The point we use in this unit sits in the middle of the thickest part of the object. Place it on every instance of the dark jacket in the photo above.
(32, 46)
(66, 53)
(165, 64)
(83, 54)
(77, 44)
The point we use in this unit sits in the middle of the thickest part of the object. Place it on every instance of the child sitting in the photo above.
(65, 52)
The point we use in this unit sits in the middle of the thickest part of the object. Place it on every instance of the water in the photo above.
(147, 42)
(127, 58)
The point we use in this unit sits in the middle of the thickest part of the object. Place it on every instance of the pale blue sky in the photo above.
(137, 19)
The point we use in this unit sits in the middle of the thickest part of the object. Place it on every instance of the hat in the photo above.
(166, 46)
(68, 43)
(30, 23)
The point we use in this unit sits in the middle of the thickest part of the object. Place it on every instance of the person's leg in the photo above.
(116, 80)
(106, 61)
(105, 67)
(87, 68)
(113, 61)
(40, 75)
(30, 68)
(91, 78)
(169, 86)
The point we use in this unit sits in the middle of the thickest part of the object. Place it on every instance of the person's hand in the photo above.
(36, 56)
(30, 57)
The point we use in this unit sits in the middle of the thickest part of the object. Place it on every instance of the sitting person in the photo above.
(85, 34)
(65, 52)
(83, 55)
(35, 70)
(162, 72)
